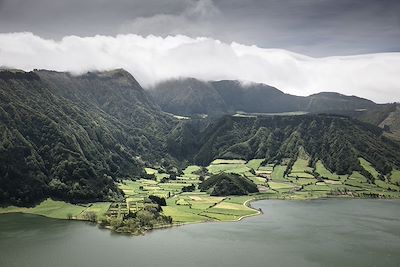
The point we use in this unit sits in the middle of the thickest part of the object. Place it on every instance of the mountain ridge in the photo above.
(251, 98)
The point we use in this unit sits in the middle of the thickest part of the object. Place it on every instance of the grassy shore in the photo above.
(61, 210)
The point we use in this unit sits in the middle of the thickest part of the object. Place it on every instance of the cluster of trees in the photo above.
(226, 184)
(189, 188)
(158, 200)
(139, 222)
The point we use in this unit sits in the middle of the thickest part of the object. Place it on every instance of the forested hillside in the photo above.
(70, 137)
(337, 141)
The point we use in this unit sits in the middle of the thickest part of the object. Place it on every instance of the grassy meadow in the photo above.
(61, 210)
(275, 181)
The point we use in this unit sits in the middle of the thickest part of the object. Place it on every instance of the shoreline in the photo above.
(247, 203)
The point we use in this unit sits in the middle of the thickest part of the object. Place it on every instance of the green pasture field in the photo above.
(99, 208)
(228, 161)
(395, 177)
(301, 175)
(191, 169)
(300, 166)
(317, 187)
(266, 169)
(231, 209)
(60, 210)
(238, 199)
(254, 163)
(196, 208)
(386, 185)
(257, 180)
(183, 214)
(238, 168)
(356, 176)
(368, 167)
(278, 173)
(354, 183)
(303, 181)
(332, 182)
(220, 216)
(326, 174)
(279, 186)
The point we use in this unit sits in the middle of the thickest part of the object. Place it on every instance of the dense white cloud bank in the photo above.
(152, 59)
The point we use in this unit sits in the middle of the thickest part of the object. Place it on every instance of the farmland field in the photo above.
(227, 161)
(279, 186)
(195, 206)
(325, 173)
(356, 176)
(300, 168)
(278, 172)
(238, 168)
(368, 167)
(201, 208)
(395, 177)
(254, 163)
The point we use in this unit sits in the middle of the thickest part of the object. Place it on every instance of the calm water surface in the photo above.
(289, 233)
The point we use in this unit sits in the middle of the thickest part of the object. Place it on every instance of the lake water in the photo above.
(332, 232)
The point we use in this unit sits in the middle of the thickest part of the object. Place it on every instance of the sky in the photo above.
(300, 46)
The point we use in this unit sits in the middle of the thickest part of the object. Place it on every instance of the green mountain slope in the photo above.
(386, 116)
(70, 137)
(189, 96)
(337, 141)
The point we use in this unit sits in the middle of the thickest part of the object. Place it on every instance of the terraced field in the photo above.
(191, 207)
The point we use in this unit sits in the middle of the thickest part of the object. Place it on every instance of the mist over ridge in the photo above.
(153, 59)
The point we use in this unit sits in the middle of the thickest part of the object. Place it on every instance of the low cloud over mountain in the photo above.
(152, 59)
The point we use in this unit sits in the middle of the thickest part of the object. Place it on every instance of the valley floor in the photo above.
(301, 183)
